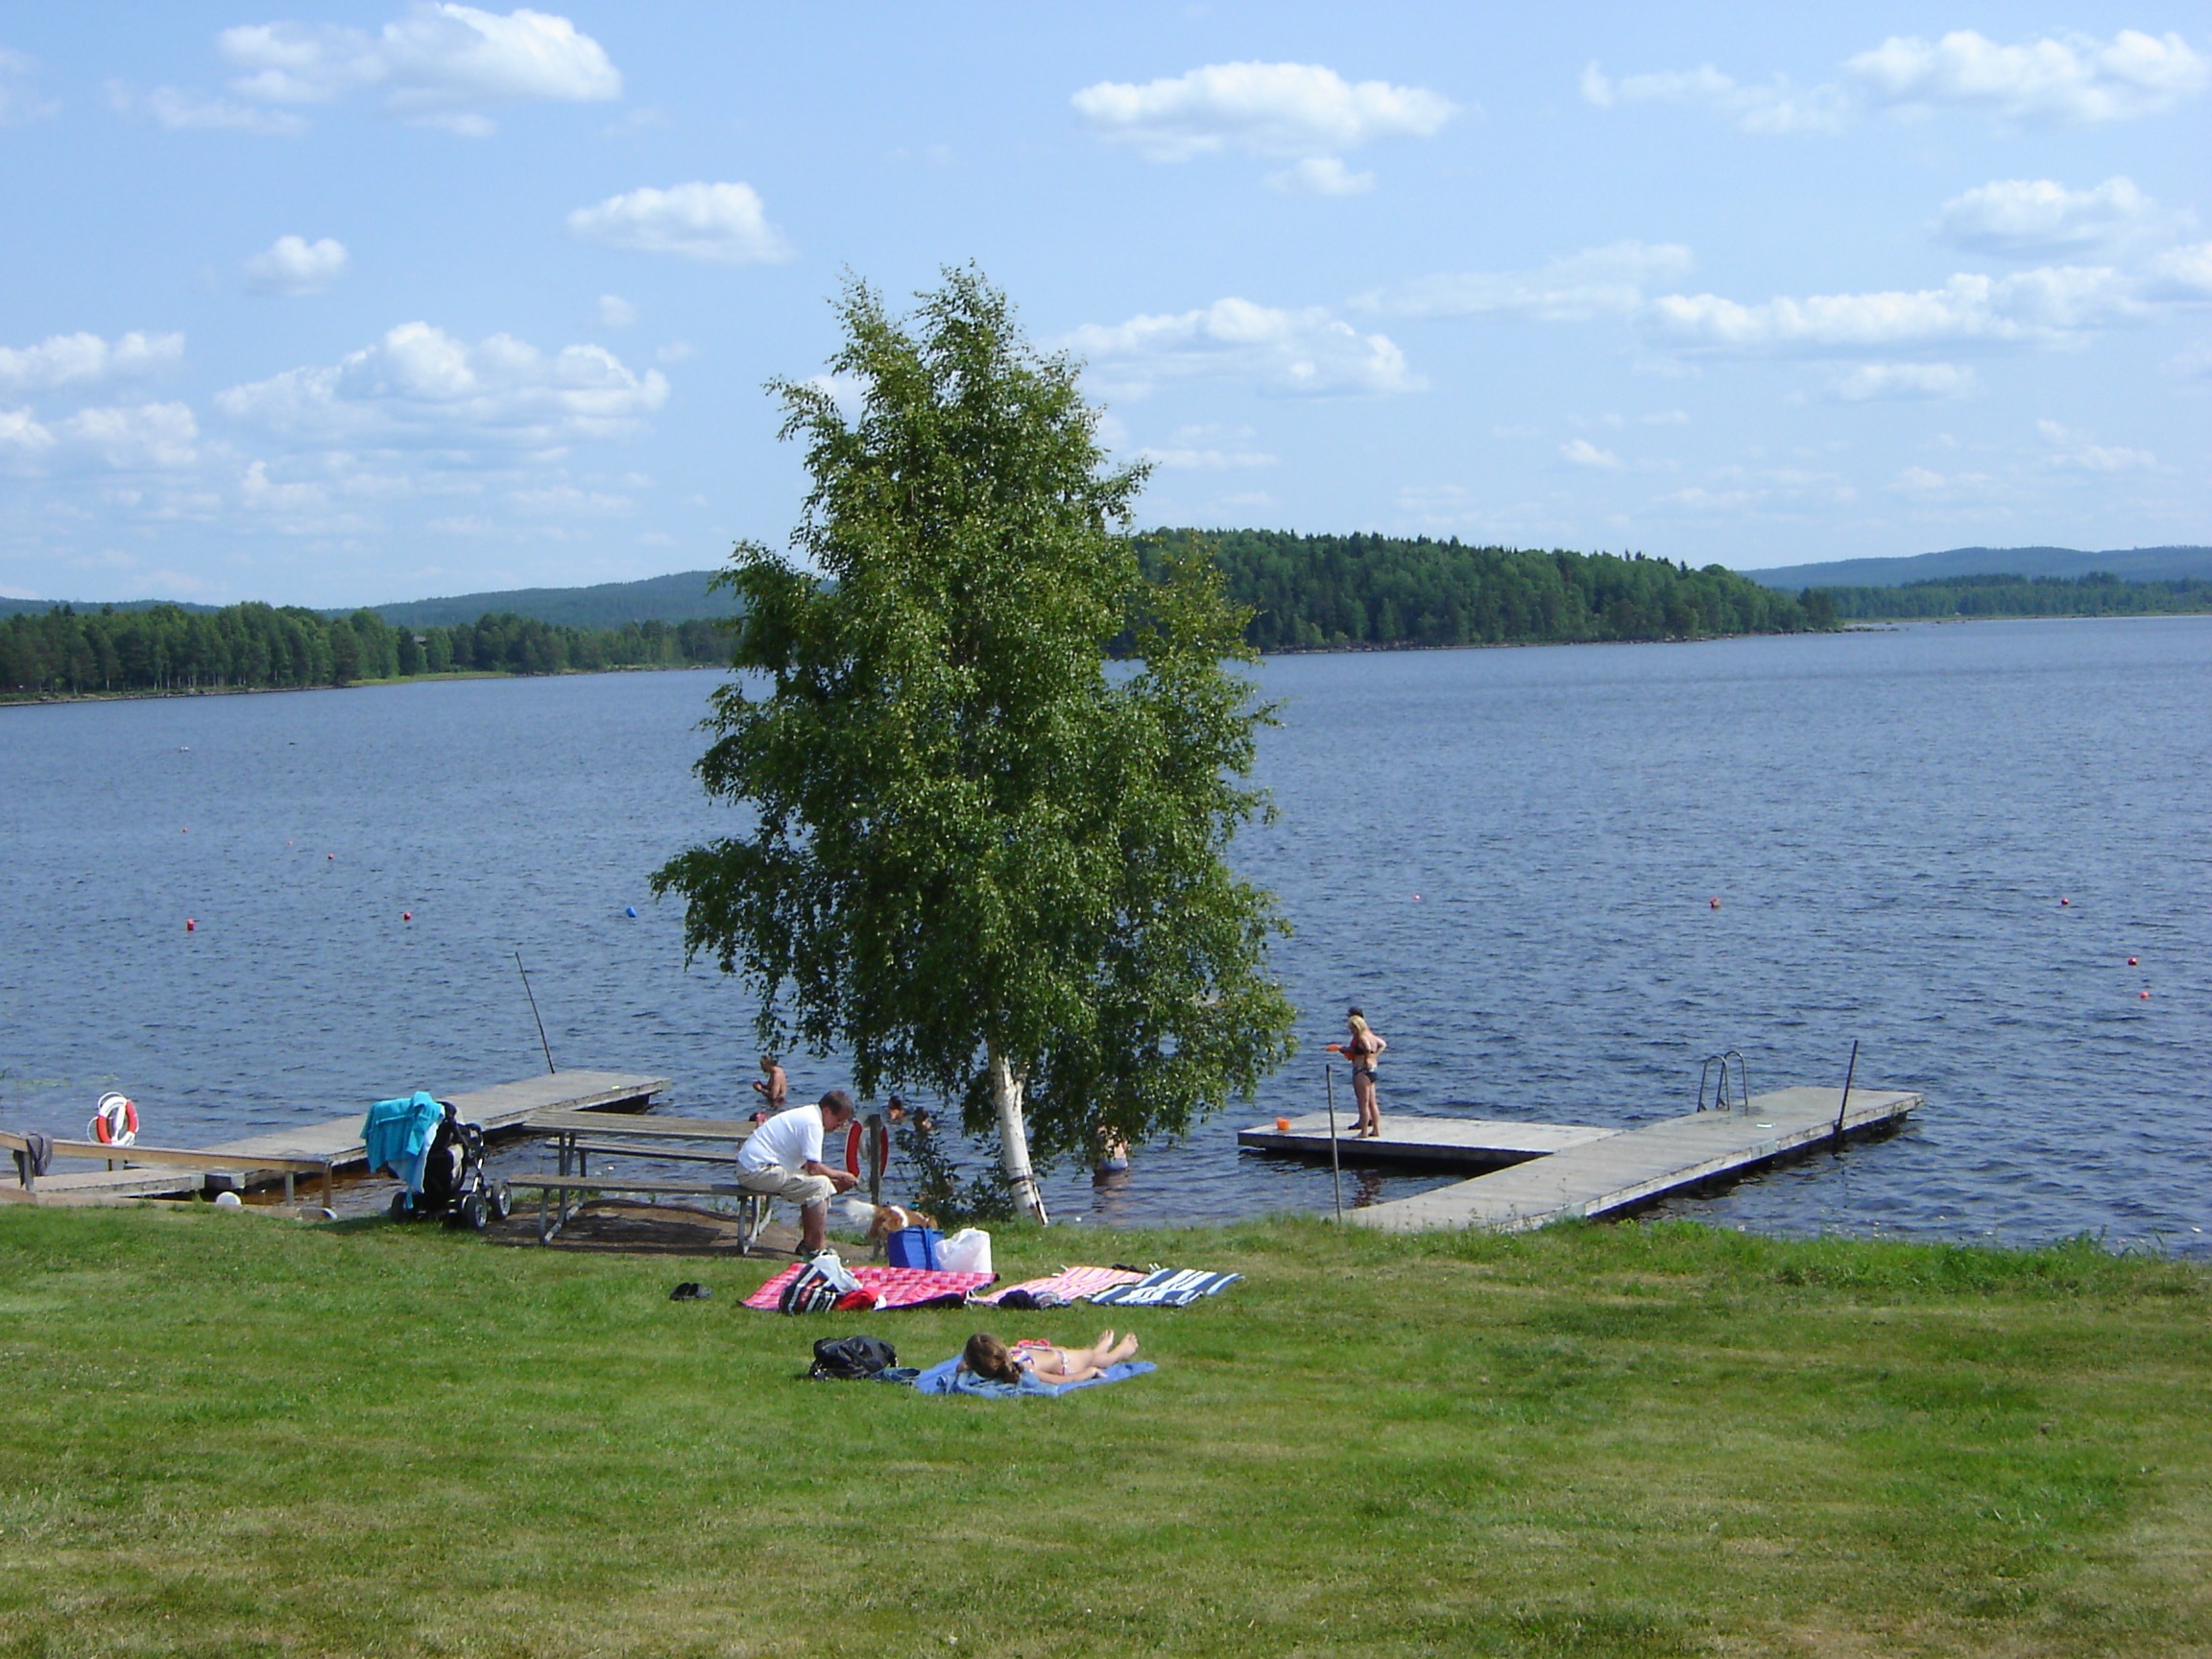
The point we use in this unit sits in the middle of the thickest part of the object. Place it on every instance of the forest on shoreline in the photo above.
(166, 649)
(2099, 594)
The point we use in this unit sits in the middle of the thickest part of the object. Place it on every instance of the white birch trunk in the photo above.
(1014, 1137)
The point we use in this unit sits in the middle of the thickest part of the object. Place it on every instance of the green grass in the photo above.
(222, 1434)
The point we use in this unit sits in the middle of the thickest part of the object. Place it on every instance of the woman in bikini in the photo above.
(989, 1357)
(1360, 1050)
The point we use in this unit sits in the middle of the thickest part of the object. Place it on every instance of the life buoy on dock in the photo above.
(116, 1122)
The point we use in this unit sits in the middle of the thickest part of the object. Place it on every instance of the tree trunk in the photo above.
(1014, 1137)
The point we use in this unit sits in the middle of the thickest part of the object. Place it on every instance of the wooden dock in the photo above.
(1552, 1171)
(1453, 1142)
(501, 1109)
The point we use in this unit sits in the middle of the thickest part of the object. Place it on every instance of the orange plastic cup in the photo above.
(1282, 1125)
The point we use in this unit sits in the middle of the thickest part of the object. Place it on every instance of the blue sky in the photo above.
(352, 303)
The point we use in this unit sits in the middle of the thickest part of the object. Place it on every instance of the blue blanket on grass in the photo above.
(948, 1378)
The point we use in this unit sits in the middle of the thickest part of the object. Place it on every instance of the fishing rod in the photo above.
(533, 1014)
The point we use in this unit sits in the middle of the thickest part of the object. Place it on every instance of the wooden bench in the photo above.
(180, 1158)
(561, 1196)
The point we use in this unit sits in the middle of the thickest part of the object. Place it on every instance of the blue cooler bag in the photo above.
(914, 1247)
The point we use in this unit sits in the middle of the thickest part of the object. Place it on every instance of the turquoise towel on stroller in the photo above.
(396, 1134)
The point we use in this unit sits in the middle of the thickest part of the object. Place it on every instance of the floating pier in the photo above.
(501, 1109)
(1544, 1172)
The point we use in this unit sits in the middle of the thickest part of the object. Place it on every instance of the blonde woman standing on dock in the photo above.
(1361, 1050)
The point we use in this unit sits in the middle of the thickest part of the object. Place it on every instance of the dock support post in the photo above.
(1851, 1071)
(1336, 1168)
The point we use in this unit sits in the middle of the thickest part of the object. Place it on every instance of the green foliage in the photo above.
(1317, 593)
(2099, 594)
(970, 837)
(166, 648)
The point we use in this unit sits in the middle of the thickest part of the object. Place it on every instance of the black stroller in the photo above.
(454, 1186)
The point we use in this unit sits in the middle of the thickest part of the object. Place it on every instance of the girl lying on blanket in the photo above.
(988, 1357)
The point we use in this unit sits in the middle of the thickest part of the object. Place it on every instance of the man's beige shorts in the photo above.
(801, 1189)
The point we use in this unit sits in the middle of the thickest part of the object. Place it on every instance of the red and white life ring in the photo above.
(116, 1122)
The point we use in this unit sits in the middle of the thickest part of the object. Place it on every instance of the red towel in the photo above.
(895, 1287)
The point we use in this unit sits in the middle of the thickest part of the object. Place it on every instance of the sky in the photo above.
(354, 304)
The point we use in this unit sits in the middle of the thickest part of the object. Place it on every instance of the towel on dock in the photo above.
(36, 1157)
(396, 1134)
(1168, 1287)
(947, 1377)
(892, 1286)
(1068, 1285)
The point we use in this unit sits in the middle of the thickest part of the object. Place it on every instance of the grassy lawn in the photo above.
(225, 1434)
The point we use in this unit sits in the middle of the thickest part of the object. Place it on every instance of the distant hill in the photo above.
(2133, 563)
(679, 599)
(39, 607)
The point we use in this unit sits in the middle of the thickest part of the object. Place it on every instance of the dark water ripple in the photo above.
(1505, 855)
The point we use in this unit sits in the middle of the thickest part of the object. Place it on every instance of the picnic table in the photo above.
(577, 1135)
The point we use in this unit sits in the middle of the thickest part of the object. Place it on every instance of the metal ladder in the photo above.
(1720, 1100)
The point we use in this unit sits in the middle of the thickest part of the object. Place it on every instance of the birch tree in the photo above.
(983, 859)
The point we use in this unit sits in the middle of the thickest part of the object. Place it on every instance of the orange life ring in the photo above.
(116, 1122)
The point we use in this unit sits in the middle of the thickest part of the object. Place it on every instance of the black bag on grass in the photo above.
(852, 1359)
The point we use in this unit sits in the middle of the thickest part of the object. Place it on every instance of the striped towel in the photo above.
(1069, 1284)
(1170, 1288)
(894, 1287)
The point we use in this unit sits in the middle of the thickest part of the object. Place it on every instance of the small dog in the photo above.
(885, 1220)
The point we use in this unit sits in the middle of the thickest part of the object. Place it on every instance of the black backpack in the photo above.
(852, 1359)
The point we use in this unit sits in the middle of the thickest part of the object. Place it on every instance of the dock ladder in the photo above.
(1720, 1100)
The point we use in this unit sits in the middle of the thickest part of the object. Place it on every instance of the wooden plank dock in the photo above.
(501, 1109)
(1609, 1174)
(1454, 1142)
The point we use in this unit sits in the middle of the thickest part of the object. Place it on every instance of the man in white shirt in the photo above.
(782, 1157)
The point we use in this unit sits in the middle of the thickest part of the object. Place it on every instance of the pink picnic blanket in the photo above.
(1070, 1283)
(894, 1287)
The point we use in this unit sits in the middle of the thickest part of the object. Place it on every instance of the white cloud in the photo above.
(1779, 106)
(723, 224)
(442, 65)
(2073, 81)
(1598, 281)
(675, 351)
(126, 437)
(2181, 274)
(1288, 109)
(23, 437)
(20, 100)
(2051, 305)
(1321, 176)
(1308, 350)
(1866, 381)
(85, 360)
(294, 265)
(2074, 449)
(1209, 449)
(2040, 218)
(1584, 453)
(187, 111)
(566, 499)
(419, 386)
(616, 312)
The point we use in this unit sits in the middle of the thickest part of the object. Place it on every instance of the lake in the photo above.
(1945, 842)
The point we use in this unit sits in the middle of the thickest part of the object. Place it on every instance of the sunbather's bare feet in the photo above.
(1122, 1350)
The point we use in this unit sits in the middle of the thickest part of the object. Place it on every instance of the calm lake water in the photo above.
(1506, 857)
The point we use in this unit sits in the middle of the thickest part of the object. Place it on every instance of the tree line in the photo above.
(167, 648)
(2098, 594)
(1323, 593)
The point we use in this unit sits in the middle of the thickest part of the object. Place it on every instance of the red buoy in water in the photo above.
(330, 856)
(1714, 900)
(407, 915)
(190, 925)
(2145, 994)
(2131, 961)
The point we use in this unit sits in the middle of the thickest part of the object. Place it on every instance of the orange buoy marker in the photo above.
(2145, 994)
(190, 925)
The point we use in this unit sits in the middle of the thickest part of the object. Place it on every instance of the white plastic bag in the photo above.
(967, 1251)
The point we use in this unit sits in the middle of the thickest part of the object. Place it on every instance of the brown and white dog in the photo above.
(889, 1218)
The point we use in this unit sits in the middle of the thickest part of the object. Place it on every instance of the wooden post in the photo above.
(1336, 1168)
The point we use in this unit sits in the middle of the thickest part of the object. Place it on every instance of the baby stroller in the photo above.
(451, 1182)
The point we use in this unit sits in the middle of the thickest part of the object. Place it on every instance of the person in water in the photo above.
(1360, 1050)
(991, 1358)
(772, 1085)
